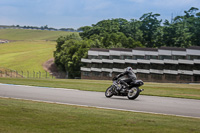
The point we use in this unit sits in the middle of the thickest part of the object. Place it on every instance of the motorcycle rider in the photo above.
(131, 77)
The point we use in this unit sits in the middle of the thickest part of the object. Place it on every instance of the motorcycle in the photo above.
(118, 89)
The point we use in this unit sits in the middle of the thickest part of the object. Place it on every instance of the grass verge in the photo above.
(155, 89)
(21, 116)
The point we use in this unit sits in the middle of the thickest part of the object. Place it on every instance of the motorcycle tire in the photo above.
(133, 93)
(109, 92)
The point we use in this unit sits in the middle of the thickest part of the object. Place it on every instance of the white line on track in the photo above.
(42, 87)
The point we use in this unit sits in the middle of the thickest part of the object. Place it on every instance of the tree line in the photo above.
(148, 31)
(45, 27)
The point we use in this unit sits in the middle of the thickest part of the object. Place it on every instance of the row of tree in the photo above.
(148, 31)
(45, 27)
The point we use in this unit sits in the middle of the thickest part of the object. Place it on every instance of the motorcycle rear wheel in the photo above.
(133, 93)
(109, 92)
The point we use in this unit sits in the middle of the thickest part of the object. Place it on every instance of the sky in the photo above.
(78, 13)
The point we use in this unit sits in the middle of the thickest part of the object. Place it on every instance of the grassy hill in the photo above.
(25, 55)
(22, 34)
(29, 48)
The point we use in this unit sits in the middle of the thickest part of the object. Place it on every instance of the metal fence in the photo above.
(31, 74)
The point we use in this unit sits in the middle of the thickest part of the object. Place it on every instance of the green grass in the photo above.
(155, 89)
(29, 50)
(29, 35)
(26, 55)
(19, 116)
(173, 90)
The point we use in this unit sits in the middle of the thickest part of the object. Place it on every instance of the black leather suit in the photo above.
(131, 77)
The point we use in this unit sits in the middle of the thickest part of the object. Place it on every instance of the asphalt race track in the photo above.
(147, 104)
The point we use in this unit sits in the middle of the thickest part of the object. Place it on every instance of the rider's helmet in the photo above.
(129, 69)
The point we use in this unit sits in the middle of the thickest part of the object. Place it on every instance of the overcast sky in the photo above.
(77, 13)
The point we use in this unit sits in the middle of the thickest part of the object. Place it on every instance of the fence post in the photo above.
(33, 74)
(22, 74)
(16, 74)
(39, 74)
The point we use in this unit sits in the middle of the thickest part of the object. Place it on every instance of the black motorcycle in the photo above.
(118, 89)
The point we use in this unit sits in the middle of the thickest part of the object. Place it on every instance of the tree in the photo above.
(111, 33)
(193, 20)
(73, 52)
(183, 30)
(68, 54)
(149, 26)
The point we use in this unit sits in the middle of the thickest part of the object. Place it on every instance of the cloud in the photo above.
(167, 3)
(174, 3)
(8, 10)
(137, 1)
(8, 21)
(94, 5)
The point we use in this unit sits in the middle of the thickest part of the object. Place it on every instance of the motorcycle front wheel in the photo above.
(133, 93)
(109, 92)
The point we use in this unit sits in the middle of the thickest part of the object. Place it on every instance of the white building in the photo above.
(165, 64)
